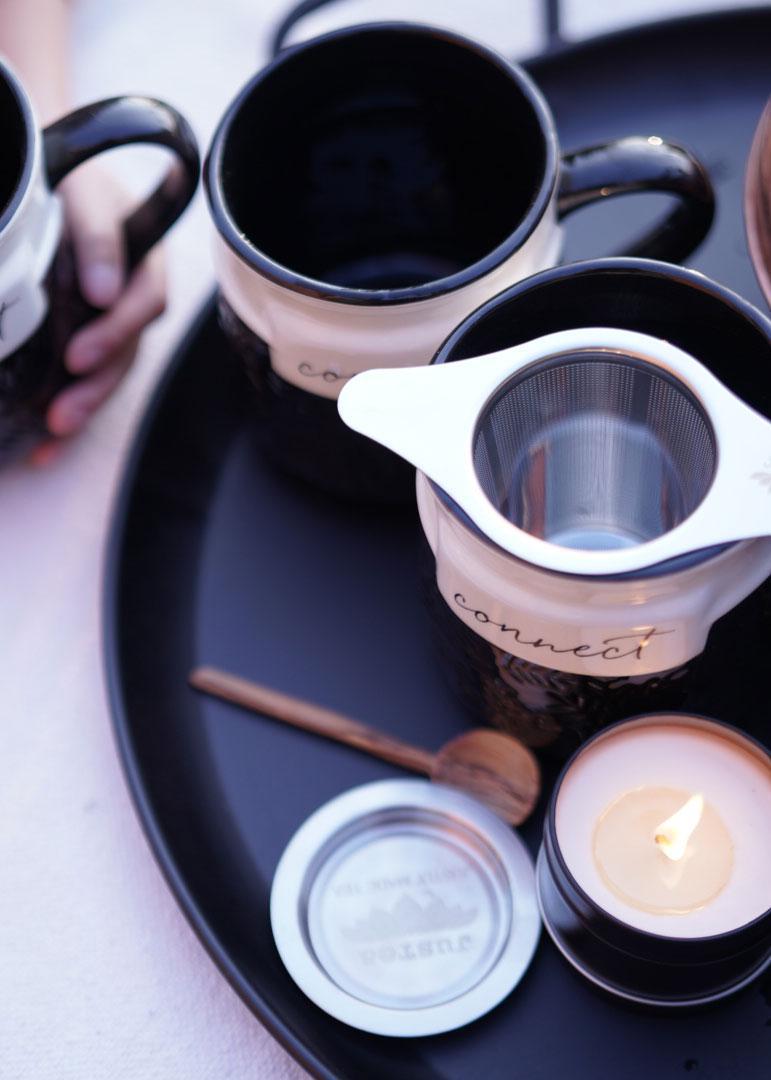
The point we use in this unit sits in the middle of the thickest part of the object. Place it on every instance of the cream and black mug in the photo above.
(553, 657)
(372, 187)
(40, 305)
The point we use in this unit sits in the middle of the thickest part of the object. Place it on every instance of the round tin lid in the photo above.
(405, 908)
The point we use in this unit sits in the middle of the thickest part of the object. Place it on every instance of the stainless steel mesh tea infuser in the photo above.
(592, 451)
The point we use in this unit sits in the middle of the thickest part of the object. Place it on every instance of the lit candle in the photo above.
(659, 830)
(614, 801)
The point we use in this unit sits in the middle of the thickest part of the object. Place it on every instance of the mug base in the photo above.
(303, 436)
(550, 711)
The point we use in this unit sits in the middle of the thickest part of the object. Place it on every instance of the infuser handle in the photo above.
(636, 164)
(310, 717)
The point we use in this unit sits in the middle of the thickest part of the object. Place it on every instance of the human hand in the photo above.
(102, 351)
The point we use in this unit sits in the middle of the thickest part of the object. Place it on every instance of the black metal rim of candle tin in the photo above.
(456, 347)
(635, 964)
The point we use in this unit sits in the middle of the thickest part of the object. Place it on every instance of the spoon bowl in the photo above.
(496, 768)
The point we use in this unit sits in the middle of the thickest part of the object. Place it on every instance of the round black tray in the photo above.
(214, 558)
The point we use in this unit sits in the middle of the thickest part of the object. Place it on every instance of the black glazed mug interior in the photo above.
(712, 323)
(16, 146)
(386, 157)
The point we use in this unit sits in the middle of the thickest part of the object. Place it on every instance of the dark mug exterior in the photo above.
(40, 304)
(523, 687)
(369, 189)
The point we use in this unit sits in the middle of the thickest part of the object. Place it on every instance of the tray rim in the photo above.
(564, 47)
(302, 1052)
(130, 765)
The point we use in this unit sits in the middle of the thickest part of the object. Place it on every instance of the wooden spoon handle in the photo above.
(310, 717)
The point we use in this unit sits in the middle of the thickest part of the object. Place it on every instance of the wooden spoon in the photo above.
(757, 202)
(494, 767)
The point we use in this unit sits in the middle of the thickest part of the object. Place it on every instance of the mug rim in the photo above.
(621, 264)
(16, 88)
(287, 278)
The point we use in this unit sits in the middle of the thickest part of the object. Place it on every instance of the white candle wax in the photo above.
(684, 754)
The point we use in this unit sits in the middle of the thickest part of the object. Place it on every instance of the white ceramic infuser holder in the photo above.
(429, 416)
(608, 627)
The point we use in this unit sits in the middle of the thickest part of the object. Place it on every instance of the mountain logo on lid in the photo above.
(407, 916)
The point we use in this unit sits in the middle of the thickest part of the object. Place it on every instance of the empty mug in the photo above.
(596, 454)
(369, 189)
(40, 306)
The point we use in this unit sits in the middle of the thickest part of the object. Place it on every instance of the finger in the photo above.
(47, 453)
(143, 301)
(97, 239)
(72, 408)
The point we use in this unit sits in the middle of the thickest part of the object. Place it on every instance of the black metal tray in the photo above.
(214, 558)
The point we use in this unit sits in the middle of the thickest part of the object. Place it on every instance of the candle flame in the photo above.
(672, 835)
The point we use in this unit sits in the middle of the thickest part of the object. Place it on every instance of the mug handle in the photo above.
(634, 164)
(121, 121)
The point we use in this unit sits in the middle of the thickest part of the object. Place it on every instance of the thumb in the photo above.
(97, 239)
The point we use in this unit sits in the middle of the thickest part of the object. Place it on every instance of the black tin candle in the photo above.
(654, 927)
